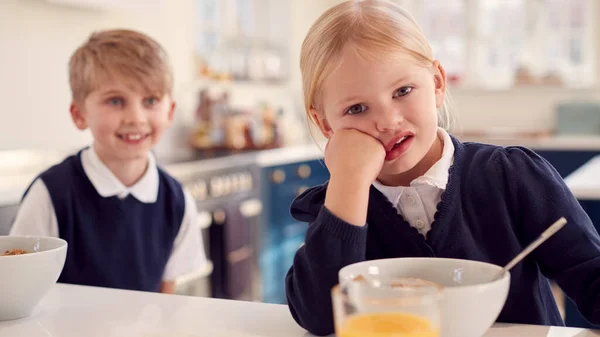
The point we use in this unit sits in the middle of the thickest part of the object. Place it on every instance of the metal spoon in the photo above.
(560, 223)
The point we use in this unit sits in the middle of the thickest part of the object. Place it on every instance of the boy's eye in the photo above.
(115, 101)
(403, 91)
(356, 109)
(152, 100)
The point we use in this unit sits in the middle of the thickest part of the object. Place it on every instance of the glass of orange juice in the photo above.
(393, 308)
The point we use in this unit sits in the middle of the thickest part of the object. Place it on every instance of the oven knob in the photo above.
(251, 207)
(304, 171)
(216, 187)
(301, 190)
(219, 217)
(248, 183)
(203, 220)
(236, 185)
(226, 183)
(278, 176)
(199, 190)
(192, 189)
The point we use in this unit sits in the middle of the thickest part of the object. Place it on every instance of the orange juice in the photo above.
(388, 324)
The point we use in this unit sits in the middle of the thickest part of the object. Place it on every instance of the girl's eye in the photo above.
(403, 91)
(115, 101)
(356, 109)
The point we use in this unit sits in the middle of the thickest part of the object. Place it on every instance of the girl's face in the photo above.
(392, 99)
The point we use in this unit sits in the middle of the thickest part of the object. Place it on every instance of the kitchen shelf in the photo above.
(239, 85)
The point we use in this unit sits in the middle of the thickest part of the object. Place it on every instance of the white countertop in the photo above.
(75, 311)
(585, 181)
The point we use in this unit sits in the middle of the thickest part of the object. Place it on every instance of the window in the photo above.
(497, 44)
(235, 39)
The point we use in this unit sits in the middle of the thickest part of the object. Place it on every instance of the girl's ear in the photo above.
(321, 122)
(439, 77)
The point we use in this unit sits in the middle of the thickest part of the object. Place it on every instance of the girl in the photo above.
(401, 186)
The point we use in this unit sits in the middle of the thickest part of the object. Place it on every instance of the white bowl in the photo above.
(26, 278)
(471, 300)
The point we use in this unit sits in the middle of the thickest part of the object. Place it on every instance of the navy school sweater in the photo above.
(112, 242)
(496, 202)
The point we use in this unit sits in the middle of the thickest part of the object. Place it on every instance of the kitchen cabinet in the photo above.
(566, 162)
(281, 234)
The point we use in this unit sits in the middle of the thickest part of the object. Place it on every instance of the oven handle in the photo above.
(240, 254)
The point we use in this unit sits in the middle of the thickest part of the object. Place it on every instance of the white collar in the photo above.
(436, 176)
(108, 185)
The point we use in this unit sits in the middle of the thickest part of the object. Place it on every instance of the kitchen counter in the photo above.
(181, 163)
(264, 158)
(585, 181)
(69, 310)
(558, 142)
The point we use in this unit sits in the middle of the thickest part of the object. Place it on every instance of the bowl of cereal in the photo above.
(30, 266)
(472, 295)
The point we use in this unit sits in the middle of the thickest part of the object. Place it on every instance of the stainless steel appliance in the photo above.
(18, 169)
(7, 216)
(227, 191)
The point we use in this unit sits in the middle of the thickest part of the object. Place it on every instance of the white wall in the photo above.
(36, 41)
(37, 38)
(521, 109)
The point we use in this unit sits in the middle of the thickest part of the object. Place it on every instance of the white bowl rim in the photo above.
(63, 245)
(477, 285)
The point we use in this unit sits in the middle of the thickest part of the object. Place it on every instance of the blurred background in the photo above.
(521, 72)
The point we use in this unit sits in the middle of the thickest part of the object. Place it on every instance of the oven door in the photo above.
(233, 250)
(198, 282)
(229, 232)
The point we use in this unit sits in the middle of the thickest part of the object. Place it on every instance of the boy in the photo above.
(128, 223)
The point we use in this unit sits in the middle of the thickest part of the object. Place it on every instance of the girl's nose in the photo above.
(389, 121)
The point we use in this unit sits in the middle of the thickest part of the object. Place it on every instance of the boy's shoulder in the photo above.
(58, 176)
(163, 174)
(171, 183)
(62, 170)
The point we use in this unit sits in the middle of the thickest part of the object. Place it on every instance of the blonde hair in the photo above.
(376, 27)
(133, 56)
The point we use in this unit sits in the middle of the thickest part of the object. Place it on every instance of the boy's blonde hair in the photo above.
(126, 54)
(378, 28)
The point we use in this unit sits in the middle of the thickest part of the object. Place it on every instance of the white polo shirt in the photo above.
(418, 202)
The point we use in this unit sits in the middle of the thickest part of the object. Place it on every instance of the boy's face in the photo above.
(125, 122)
